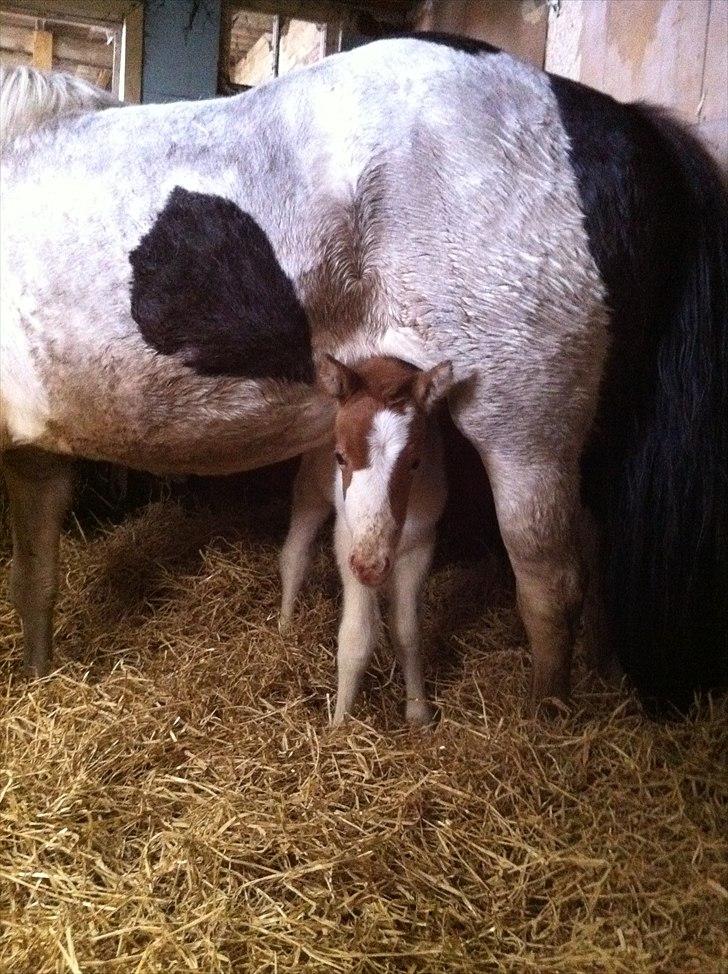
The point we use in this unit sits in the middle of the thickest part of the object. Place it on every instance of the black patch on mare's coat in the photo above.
(633, 219)
(633, 214)
(656, 215)
(207, 285)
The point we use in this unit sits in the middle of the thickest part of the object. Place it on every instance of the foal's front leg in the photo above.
(309, 510)
(358, 630)
(405, 589)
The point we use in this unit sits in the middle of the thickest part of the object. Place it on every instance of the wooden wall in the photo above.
(98, 40)
(516, 26)
(89, 52)
(302, 42)
(670, 52)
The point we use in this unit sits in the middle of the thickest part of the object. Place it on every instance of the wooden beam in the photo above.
(117, 79)
(276, 45)
(329, 10)
(104, 11)
(132, 54)
(43, 50)
(65, 47)
(11, 59)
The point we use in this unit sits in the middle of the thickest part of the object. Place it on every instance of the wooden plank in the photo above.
(115, 82)
(85, 71)
(394, 11)
(713, 105)
(655, 51)
(574, 35)
(105, 11)
(14, 38)
(421, 16)
(645, 49)
(257, 65)
(43, 50)
(517, 28)
(303, 43)
(563, 40)
(132, 54)
(12, 59)
(715, 136)
(670, 52)
(97, 54)
(593, 43)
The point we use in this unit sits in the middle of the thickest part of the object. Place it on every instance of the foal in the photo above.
(387, 482)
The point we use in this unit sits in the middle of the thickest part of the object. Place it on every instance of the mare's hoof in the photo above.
(549, 707)
(36, 670)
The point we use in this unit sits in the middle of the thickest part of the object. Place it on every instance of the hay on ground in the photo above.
(173, 798)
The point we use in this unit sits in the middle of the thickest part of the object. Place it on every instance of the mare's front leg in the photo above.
(309, 510)
(358, 630)
(410, 572)
(39, 489)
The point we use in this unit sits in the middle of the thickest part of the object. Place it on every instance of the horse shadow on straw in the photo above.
(132, 563)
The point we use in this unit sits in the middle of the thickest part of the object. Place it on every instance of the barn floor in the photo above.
(174, 799)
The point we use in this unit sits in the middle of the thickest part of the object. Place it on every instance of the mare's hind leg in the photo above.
(539, 516)
(39, 489)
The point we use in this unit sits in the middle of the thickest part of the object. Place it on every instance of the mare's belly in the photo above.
(166, 419)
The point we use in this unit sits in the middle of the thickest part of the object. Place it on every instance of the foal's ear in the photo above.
(337, 379)
(432, 385)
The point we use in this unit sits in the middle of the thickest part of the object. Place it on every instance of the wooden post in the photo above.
(132, 54)
(276, 45)
(43, 50)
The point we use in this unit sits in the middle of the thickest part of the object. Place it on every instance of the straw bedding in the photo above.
(173, 798)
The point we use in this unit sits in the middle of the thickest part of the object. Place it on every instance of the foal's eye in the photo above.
(340, 459)
(415, 464)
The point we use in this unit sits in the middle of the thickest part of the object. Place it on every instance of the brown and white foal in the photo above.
(387, 483)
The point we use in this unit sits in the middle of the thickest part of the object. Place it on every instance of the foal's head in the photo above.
(380, 435)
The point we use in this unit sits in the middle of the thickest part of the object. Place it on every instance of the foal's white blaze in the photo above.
(366, 507)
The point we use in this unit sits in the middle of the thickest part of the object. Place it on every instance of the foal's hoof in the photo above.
(419, 713)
